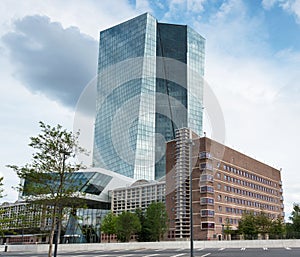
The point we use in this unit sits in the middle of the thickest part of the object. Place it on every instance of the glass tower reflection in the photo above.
(149, 84)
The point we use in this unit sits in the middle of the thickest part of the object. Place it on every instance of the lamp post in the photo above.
(190, 141)
(57, 234)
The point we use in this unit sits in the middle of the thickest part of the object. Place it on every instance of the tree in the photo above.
(263, 223)
(127, 224)
(48, 177)
(109, 225)
(156, 220)
(227, 229)
(277, 228)
(142, 235)
(295, 218)
(247, 225)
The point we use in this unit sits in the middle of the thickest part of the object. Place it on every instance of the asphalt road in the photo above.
(222, 252)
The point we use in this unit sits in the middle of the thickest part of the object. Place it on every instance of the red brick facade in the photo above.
(225, 183)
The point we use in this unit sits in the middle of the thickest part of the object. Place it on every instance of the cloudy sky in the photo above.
(48, 56)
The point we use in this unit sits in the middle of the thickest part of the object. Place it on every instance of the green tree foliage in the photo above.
(108, 225)
(156, 221)
(277, 229)
(295, 218)
(48, 178)
(247, 226)
(263, 224)
(294, 227)
(142, 235)
(252, 225)
(127, 224)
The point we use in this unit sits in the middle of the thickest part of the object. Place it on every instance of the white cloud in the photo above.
(90, 17)
(20, 113)
(268, 4)
(49, 59)
(184, 8)
(295, 8)
(143, 6)
(290, 6)
(195, 6)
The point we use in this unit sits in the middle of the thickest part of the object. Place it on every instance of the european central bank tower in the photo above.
(149, 84)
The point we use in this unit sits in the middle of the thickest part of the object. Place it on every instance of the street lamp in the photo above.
(190, 142)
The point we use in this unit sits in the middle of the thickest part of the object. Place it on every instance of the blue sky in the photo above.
(48, 55)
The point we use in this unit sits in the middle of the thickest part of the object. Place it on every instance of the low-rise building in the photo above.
(225, 183)
(139, 195)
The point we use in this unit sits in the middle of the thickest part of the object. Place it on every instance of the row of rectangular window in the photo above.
(249, 193)
(207, 200)
(248, 184)
(250, 203)
(248, 175)
(229, 220)
(207, 213)
(206, 189)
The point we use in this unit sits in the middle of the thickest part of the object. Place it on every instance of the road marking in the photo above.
(243, 249)
(155, 254)
(126, 255)
(288, 248)
(221, 249)
(159, 250)
(200, 249)
(205, 255)
(177, 255)
(181, 249)
(265, 249)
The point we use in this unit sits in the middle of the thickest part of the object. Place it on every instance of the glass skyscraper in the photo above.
(149, 84)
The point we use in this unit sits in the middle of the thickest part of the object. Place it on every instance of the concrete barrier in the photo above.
(158, 245)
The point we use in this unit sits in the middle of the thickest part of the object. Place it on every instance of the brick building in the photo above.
(225, 183)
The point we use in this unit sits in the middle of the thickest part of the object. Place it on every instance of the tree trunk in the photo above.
(51, 241)
(60, 211)
(53, 226)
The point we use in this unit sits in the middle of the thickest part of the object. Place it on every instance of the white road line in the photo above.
(155, 254)
(177, 255)
(200, 249)
(243, 249)
(205, 255)
(288, 248)
(221, 249)
(181, 249)
(126, 255)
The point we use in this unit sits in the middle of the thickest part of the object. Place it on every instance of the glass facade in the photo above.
(85, 182)
(137, 109)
